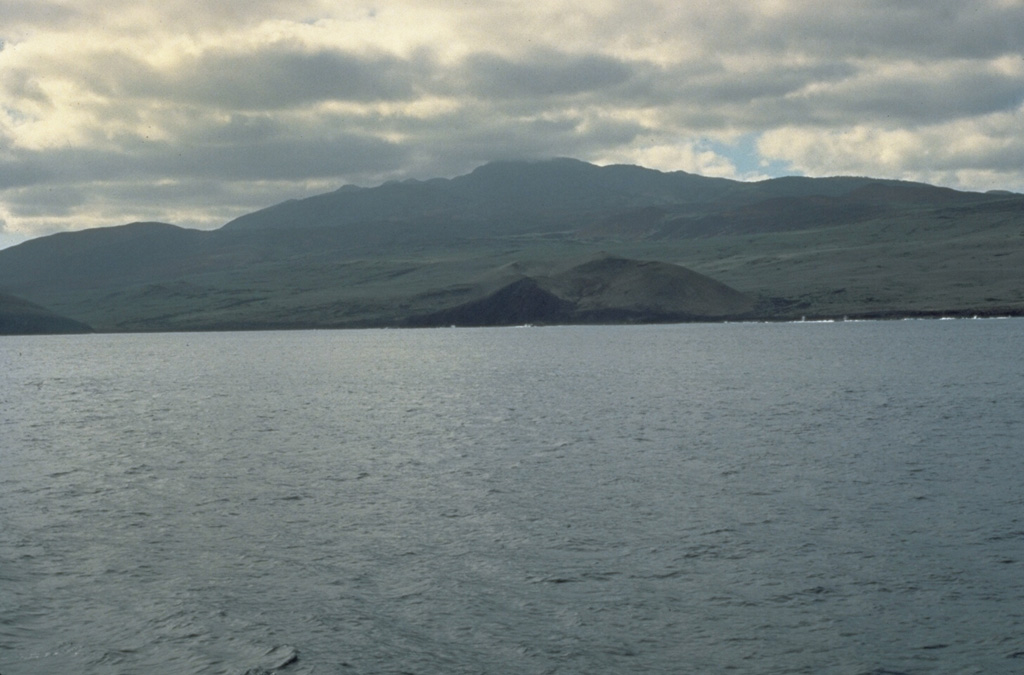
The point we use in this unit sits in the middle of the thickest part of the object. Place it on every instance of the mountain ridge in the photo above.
(541, 191)
(385, 255)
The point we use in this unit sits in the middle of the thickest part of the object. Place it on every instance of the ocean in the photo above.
(715, 498)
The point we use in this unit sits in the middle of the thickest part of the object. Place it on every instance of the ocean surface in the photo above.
(740, 498)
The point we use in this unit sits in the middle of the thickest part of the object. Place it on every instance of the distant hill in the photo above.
(20, 317)
(99, 256)
(606, 290)
(518, 196)
(558, 195)
(521, 242)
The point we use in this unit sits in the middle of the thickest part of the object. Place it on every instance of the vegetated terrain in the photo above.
(559, 241)
(20, 317)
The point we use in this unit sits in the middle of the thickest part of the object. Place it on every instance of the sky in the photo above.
(113, 111)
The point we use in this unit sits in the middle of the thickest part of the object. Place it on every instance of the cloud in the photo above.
(900, 29)
(43, 200)
(194, 113)
(915, 93)
(983, 153)
(692, 157)
(278, 77)
(549, 74)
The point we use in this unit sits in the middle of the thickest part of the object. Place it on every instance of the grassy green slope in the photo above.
(932, 262)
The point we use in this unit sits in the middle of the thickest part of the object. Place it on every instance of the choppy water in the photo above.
(827, 498)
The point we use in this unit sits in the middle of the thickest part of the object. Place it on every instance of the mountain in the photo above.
(515, 242)
(100, 256)
(608, 289)
(20, 317)
(518, 196)
(549, 196)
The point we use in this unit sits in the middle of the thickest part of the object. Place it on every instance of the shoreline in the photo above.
(862, 317)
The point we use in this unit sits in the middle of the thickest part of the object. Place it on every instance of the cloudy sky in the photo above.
(197, 112)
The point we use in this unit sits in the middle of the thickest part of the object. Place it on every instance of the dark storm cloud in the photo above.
(541, 75)
(922, 97)
(271, 77)
(761, 94)
(871, 29)
(44, 200)
(287, 77)
(19, 14)
(283, 158)
(914, 97)
(272, 158)
(19, 170)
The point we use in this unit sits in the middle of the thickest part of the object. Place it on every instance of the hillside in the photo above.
(508, 198)
(511, 243)
(605, 290)
(20, 317)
